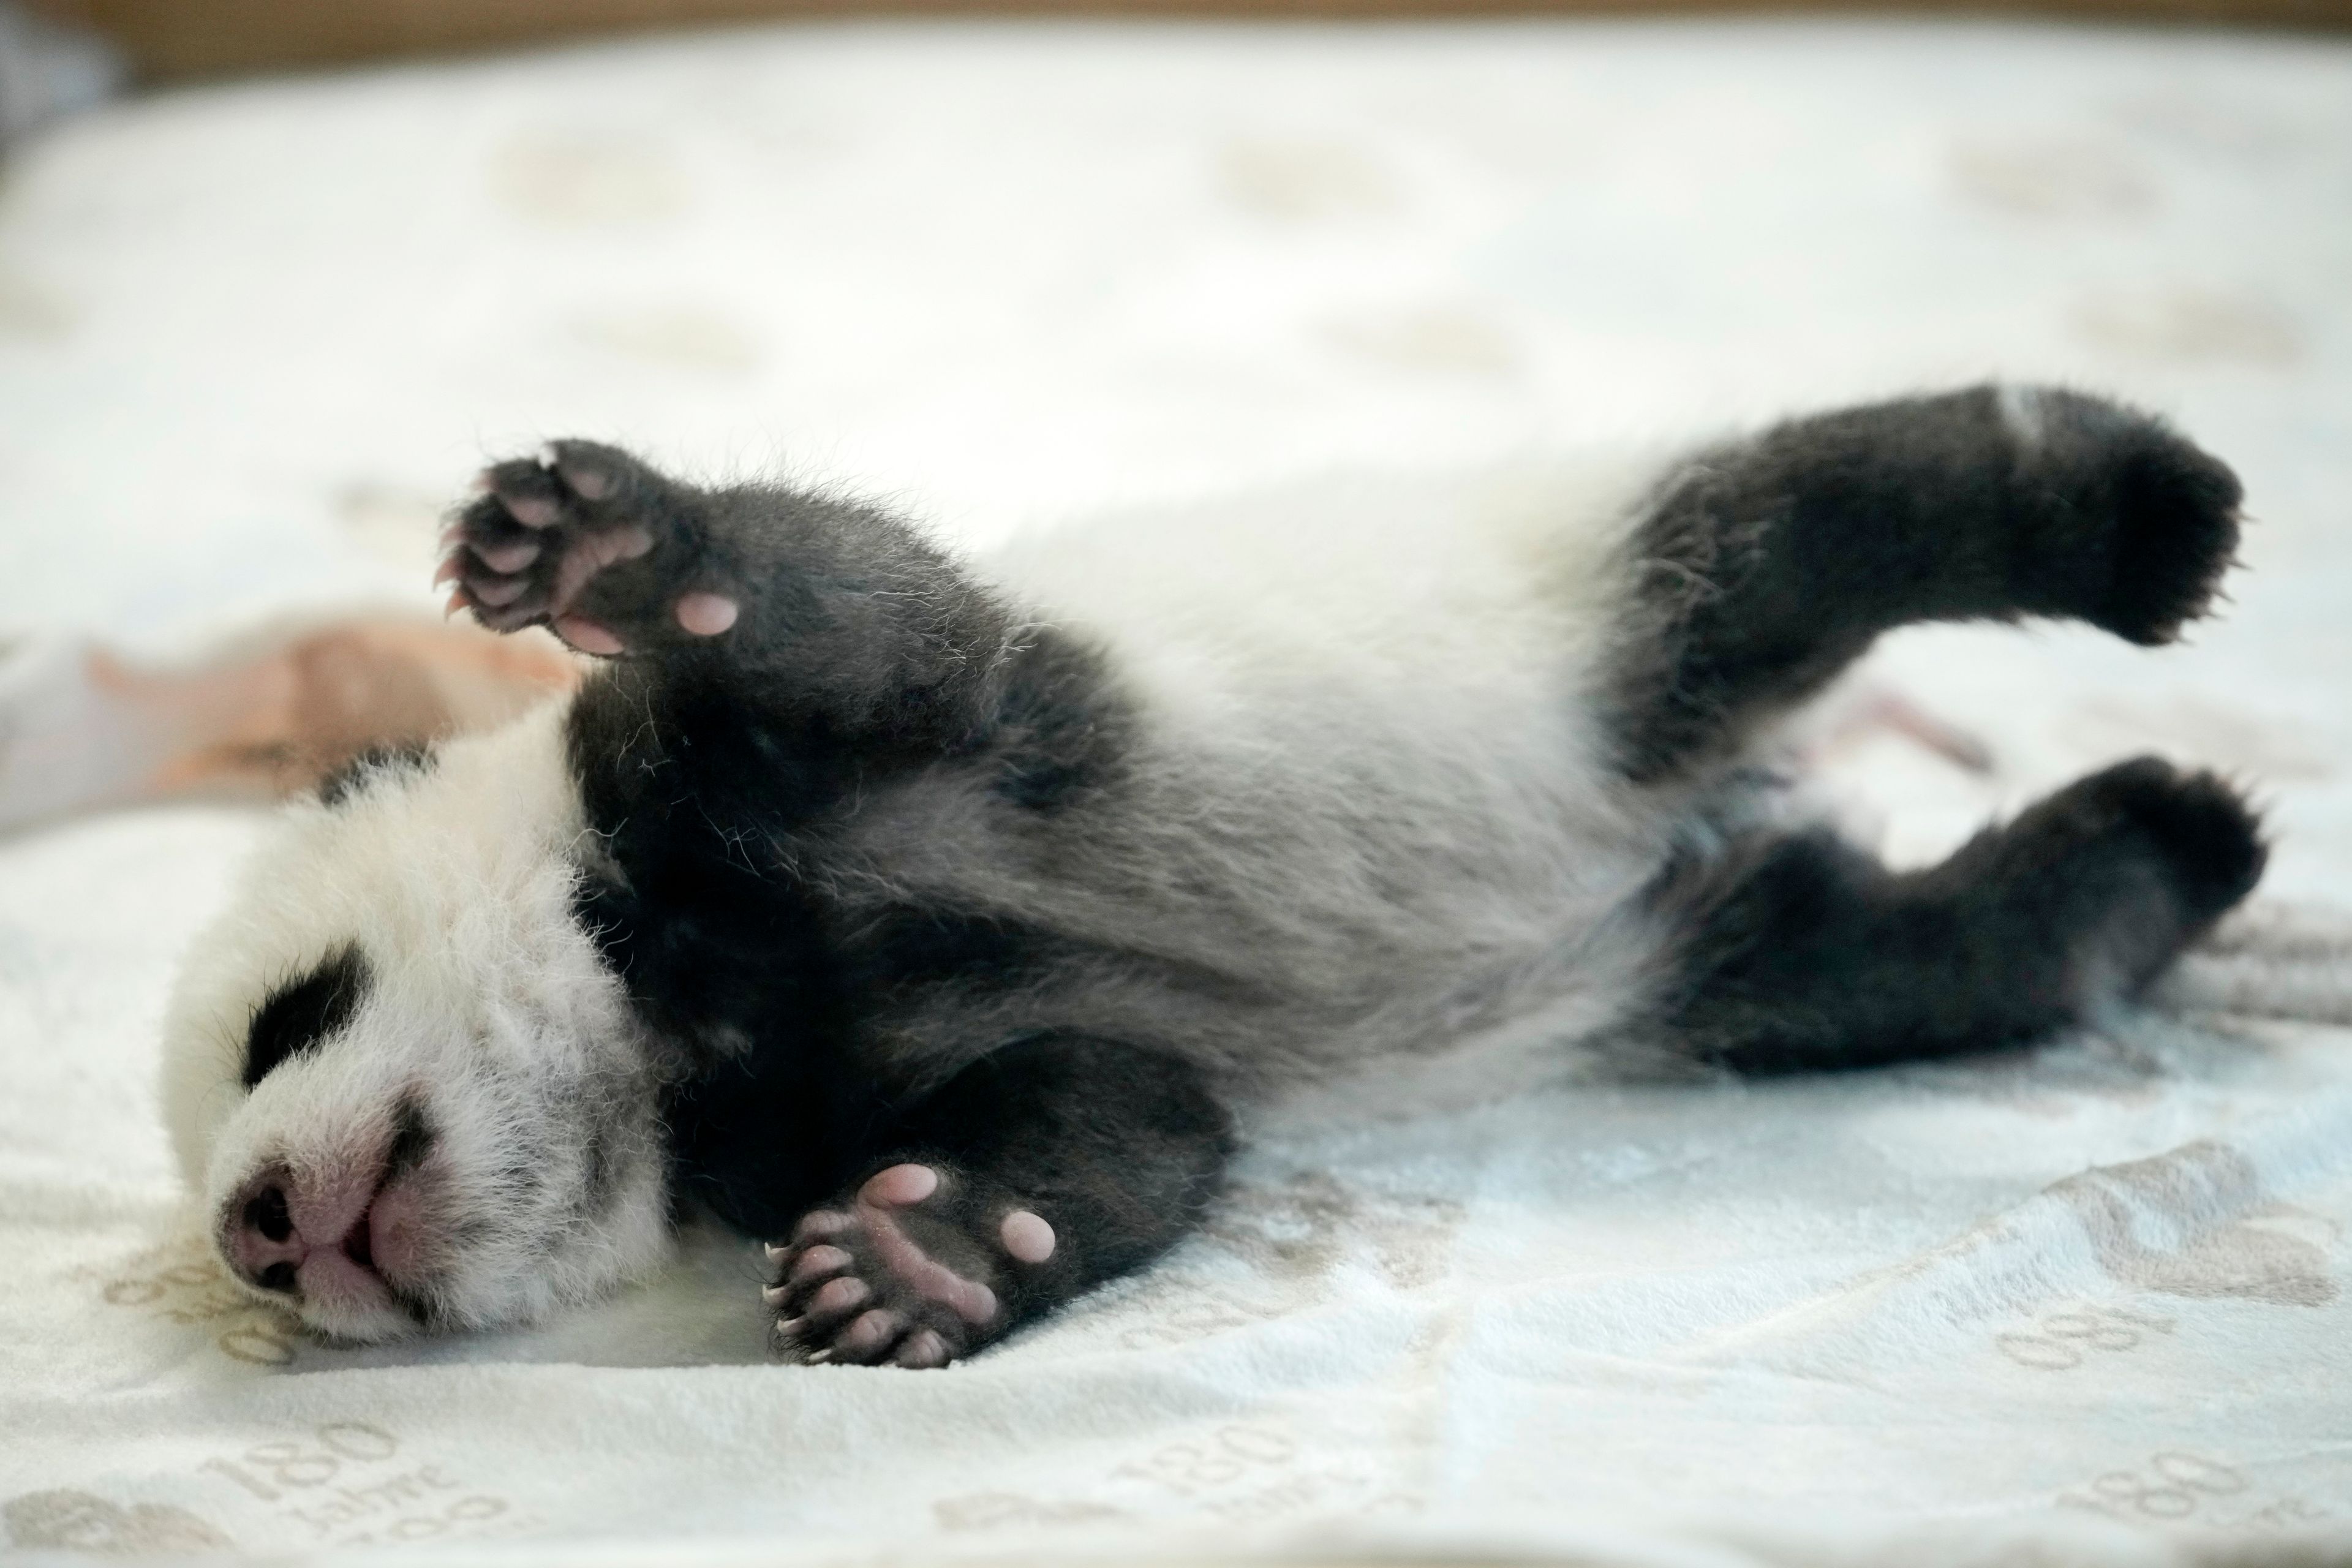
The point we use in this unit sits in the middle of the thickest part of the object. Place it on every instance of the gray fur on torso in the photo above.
(1345, 829)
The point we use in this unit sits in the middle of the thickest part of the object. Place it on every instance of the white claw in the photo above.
(817, 1358)
(547, 454)
(773, 1295)
(775, 1253)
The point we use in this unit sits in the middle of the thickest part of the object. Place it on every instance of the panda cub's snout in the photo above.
(355, 1235)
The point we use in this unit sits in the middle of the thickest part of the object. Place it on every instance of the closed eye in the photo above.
(297, 1015)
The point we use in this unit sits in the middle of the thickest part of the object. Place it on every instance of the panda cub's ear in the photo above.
(300, 1013)
(340, 784)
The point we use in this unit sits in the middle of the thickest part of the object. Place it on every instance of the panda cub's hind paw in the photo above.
(2137, 524)
(920, 1265)
(590, 541)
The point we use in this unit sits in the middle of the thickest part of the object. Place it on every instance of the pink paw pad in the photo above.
(818, 1261)
(589, 637)
(1026, 1237)
(869, 1332)
(498, 594)
(839, 1295)
(587, 482)
(508, 559)
(532, 512)
(590, 554)
(901, 1185)
(706, 615)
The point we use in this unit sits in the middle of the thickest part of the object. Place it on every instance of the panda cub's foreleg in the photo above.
(803, 600)
(1044, 1168)
(1764, 567)
(771, 657)
(768, 655)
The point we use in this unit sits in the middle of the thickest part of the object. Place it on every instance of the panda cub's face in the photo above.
(406, 1092)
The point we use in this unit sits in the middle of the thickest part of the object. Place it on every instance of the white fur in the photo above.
(488, 998)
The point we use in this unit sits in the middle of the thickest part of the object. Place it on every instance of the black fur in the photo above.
(1805, 955)
(412, 1139)
(1767, 566)
(344, 781)
(1059, 733)
(1120, 1145)
(299, 1014)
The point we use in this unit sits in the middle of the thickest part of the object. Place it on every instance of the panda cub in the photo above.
(937, 921)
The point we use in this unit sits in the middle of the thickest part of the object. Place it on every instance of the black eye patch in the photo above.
(343, 783)
(299, 1014)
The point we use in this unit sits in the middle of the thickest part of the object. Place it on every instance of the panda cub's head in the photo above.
(406, 1092)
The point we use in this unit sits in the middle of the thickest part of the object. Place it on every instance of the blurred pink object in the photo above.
(80, 728)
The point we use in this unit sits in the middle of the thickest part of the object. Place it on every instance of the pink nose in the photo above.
(263, 1244)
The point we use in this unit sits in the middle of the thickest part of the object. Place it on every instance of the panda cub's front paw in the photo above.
(919, 1267)
(590, 541)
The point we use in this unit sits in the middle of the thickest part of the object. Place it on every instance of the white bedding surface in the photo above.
(2098, 1298)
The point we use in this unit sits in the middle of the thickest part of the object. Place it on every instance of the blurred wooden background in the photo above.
(168, 40)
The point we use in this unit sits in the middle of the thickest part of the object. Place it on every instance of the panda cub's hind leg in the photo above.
(1802, 954)
(1762, 568)
(1042, 1169)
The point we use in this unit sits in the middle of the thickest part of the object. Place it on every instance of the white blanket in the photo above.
(2089, 1303)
